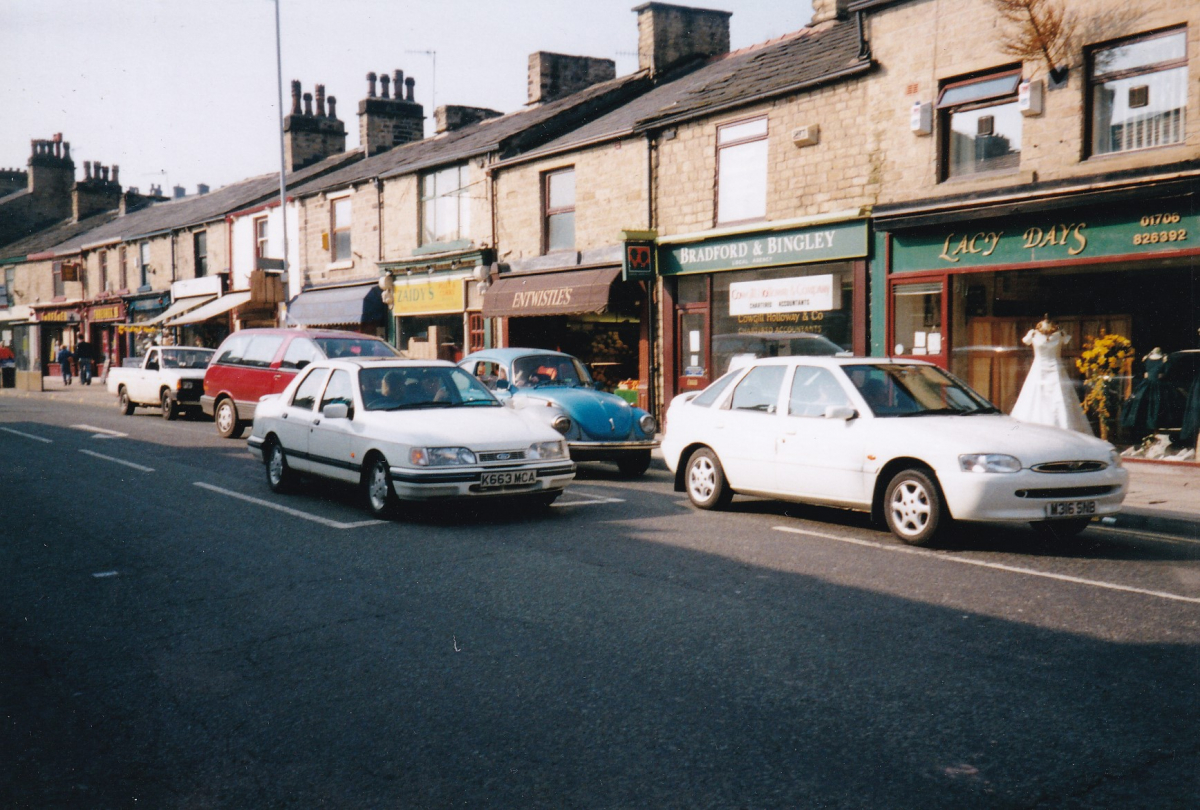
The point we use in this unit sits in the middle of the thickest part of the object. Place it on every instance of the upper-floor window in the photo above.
(262, 240)
(980, 125)
(558, 194)
(8, 299)
(200, 249)
(56, 271)
(1138, 92)
(340, 227)
(144, 264)
(445, 206)
(103, 260)
(742, 171)
(122, 267)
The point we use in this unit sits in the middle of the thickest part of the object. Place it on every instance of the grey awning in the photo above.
(338, 306)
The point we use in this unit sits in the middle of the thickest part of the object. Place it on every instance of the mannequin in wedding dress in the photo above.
(1047, 397)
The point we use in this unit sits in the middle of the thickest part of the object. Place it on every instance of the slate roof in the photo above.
(509, 132)
(794, 61)
(196, 210)
(49, 237)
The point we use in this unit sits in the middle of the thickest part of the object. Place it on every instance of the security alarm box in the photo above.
(1029, 97)
(807, 135)
(920, 119)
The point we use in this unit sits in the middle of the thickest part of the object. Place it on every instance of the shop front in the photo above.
(58, 325)
(436, 303)
(141, 328)
(798, 289)
(962, 288)
(593, 314)
(357, 307)
(103, 320)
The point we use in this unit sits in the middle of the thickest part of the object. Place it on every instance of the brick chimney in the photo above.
(450, 117)
(51, 170)
(825, 10)
(392, 118)
(309, 137)
(670, 35)
(96, 192)
(555, 75)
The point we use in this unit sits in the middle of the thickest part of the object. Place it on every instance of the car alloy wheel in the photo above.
(169, 409)
(279, 475)
(705, 479)
(913, 507)
(124, 404)
(381, 497)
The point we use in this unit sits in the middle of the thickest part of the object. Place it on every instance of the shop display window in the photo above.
(980, 125)
(917, 318)
(742, 171)
(1138, 93)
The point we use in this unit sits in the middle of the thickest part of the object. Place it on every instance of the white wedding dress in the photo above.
(1047, 397)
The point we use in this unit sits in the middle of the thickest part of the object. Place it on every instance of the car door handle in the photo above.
(277, 376)
(316, 421)
(284, 416)
(789, 433)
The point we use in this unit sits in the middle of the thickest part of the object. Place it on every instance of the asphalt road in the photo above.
(175, 635)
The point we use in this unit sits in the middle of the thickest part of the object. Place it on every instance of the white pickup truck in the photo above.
(167, 377)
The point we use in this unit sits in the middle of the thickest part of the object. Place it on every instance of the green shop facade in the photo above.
(797, 287)
(960, 284)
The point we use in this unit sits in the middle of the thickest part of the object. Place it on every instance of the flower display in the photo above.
(1102, 359)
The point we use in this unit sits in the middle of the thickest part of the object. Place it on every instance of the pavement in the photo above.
(1164, 496)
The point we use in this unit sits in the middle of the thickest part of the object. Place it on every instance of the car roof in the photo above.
(509, 354)
(381, 362)
(823, 360)
(323, 333)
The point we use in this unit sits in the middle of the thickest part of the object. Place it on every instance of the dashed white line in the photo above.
(591, 499)
(141, 467)
(101, 433)
(27, 435)
(103, 574)
(333, 524)
(996, 566)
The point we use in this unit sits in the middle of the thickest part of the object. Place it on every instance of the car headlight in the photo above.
(1114, 457)
(561, 423)
(989, 463)
(440, 456)
(647, 424)
(547, 450)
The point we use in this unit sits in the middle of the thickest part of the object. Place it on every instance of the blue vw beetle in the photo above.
(598, 426)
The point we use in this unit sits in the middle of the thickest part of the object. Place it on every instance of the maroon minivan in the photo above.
(255, 362)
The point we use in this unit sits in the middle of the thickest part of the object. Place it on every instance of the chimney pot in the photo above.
(115, 170)
(87, 170)
(410, 83)
(104, 172)
(371, 84)
(66, 151)
(308, 104)
(332, 101)
(398, 80)
(321, 100)
(384, 81)
(295, 97)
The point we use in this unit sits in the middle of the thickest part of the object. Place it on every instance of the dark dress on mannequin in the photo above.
(1154, 404)
(1191, 416)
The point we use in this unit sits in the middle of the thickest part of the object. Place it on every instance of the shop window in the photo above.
(980, 125)
(758, 390)
(122, 268)
(308, 389)
(476, 332)
(445, 206)
(200, 252)
(1138, 93)
(103, 261)
(340, 225)
(918, 318)
(559, 195)
(60, 289)
(742, 171)
(144, 264)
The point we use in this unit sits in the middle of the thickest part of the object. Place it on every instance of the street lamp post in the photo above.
(282, 150)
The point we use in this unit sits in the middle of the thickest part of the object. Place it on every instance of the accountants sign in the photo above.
(1072, 236)
(819, 243)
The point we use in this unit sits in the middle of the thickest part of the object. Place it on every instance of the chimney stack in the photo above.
(95, 192)
(308, 137)
(201, 188)
(825, 10)
(450, 117)
(555, 75)
(391, 119)
(670, 35)
(178, 193)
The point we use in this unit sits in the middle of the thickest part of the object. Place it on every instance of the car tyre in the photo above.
(546, 499)
(705, 481)
(226, 418)
(914, 509)
(280, 477)
(381, 495)
(169, 409)
(632, 465)
(124, 403)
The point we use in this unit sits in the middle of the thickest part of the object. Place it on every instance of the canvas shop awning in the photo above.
(573, 292)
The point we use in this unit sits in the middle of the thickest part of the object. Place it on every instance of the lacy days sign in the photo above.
(801, 294)
(819, 243)
(1050, 237)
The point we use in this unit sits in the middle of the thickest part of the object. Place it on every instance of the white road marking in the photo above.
(102, 574)
(333, 524)
(117, 461)
(590, 499)
(1162, 538)
(997, 566)
(101, 433)
(28, 435)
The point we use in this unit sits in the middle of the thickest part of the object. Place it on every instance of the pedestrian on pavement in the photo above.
(83, 354)
(64, 361)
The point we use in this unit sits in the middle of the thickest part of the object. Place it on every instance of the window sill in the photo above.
(343, 265)
(986, 177)
(443, 247)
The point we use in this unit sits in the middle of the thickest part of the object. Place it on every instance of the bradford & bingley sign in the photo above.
(820, 243)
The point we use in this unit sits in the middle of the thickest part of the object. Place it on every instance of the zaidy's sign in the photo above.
(1051, 237)
(428, 297)
(820, 243)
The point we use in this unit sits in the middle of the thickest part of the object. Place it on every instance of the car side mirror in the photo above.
(501, 385)
(300, 364)
(599, 386)
(843, 412)
(336, 410)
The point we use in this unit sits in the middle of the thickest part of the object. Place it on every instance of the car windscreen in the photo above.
(186, 358)
(416, 387)
(901, 389)
(355, 347)
(549, 369)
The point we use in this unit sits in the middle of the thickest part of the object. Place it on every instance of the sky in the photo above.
(181, 92)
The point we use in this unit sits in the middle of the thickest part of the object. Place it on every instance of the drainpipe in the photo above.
(652, 297)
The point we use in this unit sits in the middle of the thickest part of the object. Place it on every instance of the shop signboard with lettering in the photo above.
(107, 312)
(1049, 237)
(819, 243)
(638, 263)
(431, 297)
(800, 294)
